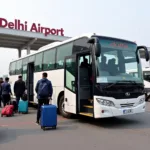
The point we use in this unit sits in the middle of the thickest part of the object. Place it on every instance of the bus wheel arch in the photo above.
(60, 104)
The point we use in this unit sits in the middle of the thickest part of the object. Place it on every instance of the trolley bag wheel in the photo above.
(44, 129)
(27, 112)
(54, 127)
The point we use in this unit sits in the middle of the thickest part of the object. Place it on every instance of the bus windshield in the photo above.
(117, 57)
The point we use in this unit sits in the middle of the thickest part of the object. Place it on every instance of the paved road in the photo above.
(124, 133)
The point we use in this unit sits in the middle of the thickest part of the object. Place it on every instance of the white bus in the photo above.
(146, 76)
(89, 75)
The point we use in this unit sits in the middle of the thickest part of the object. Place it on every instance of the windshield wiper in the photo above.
(123, 81)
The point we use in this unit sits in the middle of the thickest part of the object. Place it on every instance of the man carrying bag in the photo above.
(44, 92)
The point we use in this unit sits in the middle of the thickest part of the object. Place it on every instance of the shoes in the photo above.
(37, 122)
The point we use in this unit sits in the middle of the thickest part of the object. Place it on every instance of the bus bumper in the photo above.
(101, 111)
(129, 111)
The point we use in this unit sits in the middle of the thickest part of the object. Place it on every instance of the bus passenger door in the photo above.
(70, 85)
(30, 79)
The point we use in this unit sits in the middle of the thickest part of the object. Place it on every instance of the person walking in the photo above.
(6, 91)
(1, 81)
(19, 88)
(44, 92)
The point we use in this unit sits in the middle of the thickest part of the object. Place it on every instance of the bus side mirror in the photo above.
(95, 45)
(146, 52)
(97, 49)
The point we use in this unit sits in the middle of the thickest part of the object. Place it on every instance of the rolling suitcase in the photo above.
(8, 111)
(23, 106)
(48, 116)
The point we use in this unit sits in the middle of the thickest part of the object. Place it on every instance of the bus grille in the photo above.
(127, 105)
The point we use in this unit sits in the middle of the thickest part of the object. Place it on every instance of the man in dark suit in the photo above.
(19, 88)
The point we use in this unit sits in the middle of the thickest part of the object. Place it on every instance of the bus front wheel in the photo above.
(61, 108)
(147, 98)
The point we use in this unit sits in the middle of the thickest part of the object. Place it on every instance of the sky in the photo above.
(127, 19)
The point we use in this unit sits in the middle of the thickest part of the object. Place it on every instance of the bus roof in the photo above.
(55, 44)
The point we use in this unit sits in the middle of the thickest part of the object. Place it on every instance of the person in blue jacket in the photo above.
(44, 92)
(6, 91)
(1, 81)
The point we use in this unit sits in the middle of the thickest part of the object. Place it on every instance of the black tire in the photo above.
(60, 107)
(147, 98)
(54, 127)
(44, 129)
(1, 115)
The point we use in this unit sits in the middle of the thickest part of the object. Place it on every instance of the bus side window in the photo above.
(70, 74)
(38, 62)
(19, 67)
(62, 52)
(49, 59)
(13, 68)
(24, 74)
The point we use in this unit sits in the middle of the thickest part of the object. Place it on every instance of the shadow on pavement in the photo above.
(136, 121)
(7, 135)
(11, 134)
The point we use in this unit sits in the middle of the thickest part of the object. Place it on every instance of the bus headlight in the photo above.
(142, 100)
(105, 102)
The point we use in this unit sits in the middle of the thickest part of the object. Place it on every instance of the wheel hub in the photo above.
(63, 107)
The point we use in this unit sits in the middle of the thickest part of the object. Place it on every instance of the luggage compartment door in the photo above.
(70, 101)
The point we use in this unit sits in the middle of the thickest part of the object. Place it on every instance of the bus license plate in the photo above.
(127, 111)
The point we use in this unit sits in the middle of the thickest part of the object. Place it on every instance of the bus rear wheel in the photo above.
(61, 108)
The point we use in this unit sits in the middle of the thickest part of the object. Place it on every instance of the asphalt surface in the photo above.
(123, 133)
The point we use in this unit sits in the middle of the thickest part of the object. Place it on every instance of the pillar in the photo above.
(19, 53)
(28, 50)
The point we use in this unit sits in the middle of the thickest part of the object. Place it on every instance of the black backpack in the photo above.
(24, 97)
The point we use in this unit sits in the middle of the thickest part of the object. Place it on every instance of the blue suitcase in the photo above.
(48, 116)
(23, 106)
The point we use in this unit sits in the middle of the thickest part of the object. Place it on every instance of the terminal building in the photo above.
(18, 35)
